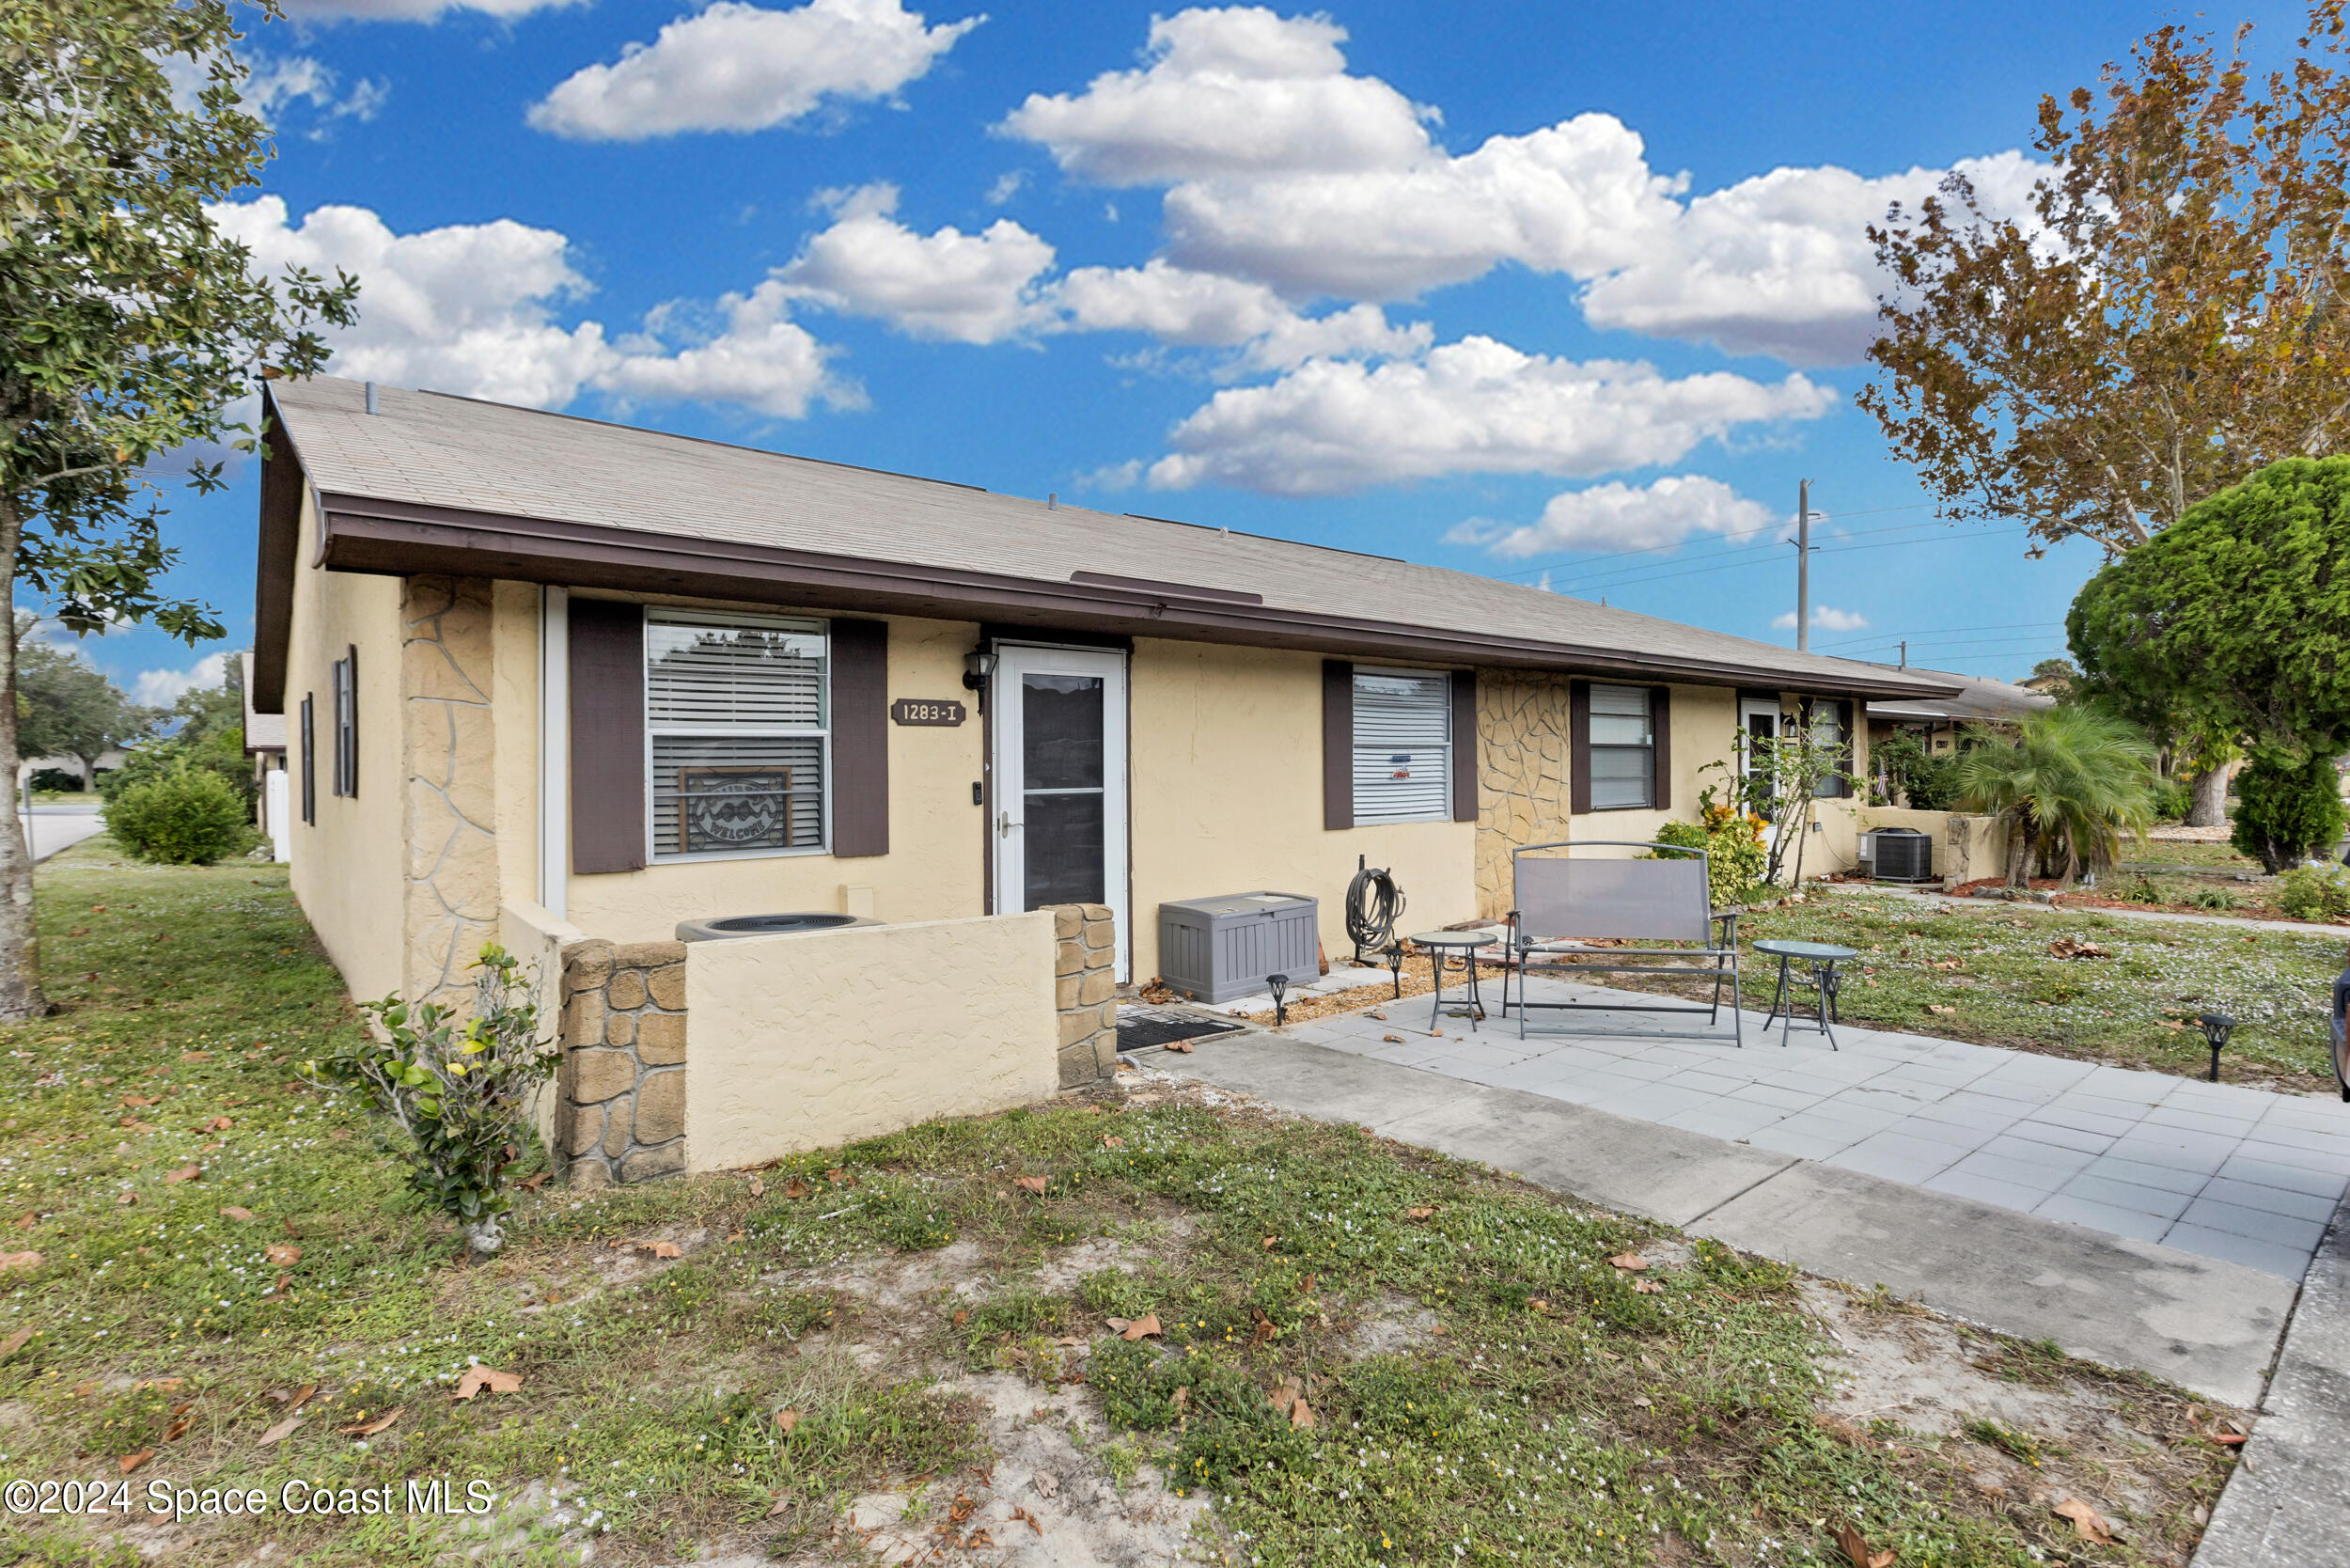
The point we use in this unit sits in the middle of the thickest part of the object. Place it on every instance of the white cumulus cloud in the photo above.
(1781, 264)
(1827, 618)
(1226, 91)
(474, 308)
(1620, 516)
(968, 288)
(1471, 406)
(161, 688)
(1194, 309)
(736, 67)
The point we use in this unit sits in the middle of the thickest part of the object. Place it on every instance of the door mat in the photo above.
(1142, 1027)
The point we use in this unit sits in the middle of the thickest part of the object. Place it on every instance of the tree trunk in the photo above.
(2210, 796)
(19, 950)
(2019, 854)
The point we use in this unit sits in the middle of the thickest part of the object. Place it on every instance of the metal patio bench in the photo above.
(1564, 902)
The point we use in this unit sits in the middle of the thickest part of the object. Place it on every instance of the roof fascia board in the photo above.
(283, 485)
(367, 535)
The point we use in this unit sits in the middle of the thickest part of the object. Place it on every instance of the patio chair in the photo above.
(1563, 901)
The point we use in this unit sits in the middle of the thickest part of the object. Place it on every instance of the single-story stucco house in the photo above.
(1939, 721)
(636, 678)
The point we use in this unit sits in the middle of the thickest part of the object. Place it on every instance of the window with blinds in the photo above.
(1402, 745)
(737, 728)
(1623, 748)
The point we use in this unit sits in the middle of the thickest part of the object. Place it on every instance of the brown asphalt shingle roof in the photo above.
(437, 450)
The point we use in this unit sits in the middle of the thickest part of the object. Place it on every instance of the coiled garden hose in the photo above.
(1373, 904)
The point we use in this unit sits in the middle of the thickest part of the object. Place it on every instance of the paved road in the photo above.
(53, 828)
(2210, 1169)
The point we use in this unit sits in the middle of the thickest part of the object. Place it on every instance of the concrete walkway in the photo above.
(2226, 1172)
(2207, 1325)
(2288, 1504)
(51, 829)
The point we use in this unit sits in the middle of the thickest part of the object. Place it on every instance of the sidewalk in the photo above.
(2026, 906)
(2285, 1506)
(2208, 1325)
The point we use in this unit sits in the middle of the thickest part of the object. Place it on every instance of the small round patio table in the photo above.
(1824, 957)
(1439, 944)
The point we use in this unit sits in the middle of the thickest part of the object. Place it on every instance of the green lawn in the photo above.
(1991, 966)
(224, 1248)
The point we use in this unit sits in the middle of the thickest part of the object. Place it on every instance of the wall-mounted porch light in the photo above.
(2217, 1028)
(977, 665)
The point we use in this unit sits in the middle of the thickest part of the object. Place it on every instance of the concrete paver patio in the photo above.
(2226, 1172)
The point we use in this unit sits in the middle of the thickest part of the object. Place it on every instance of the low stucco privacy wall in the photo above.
(1967, 848)
(815, 1038)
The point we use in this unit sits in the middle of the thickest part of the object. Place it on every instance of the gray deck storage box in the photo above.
(1214, 950)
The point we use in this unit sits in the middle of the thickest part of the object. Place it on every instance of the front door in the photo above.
(1759, 720)
(1059, 769)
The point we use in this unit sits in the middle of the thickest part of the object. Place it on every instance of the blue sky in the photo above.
(1564, 293)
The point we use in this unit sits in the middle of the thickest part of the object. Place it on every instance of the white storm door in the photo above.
(1758, 720)
(1059, 771)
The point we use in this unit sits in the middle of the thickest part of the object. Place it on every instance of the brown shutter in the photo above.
(309, 763)
(608, 642)
(1660, 721)
(1464, 745)
(860, 737)
(1843, 741)
(1338, 744)
(1578, 746)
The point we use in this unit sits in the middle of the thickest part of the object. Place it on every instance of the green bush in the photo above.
(55, 781)
(2174, 800)
(2311, 893)
(458, 1087)
(187, 817)
(2288, 807)
(1735, 857)
(1929, 782)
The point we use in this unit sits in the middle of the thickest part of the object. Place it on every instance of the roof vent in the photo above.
(372, 402)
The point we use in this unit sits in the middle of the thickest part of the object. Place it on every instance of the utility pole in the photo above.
(1803, 565)
(1905, 652)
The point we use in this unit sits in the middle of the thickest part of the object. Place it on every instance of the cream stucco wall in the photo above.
(514, 713)
(1227, 797)
(803, 1041)
(933, 871)
(347, 868)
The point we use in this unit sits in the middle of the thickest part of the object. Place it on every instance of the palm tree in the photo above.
(2070, 780)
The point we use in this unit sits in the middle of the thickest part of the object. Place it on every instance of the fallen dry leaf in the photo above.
(1936, 1007)
(532, 1183)
(1047, 1483)
(1376, 1013)
(192, 1055)
(15, 1341)
(1181, 1399)
(1648, 1287)
(132, 1461)
(1301, 1414)
(1857, 1549)
(123, 1197)
(796, 1189)
(1142, 1328)
(2067, 947)
(235, 1212)
(185, 1173)
(1286, 1393)
(284, 1254)
(1423, 1211)
(1630, 1262)
(135, 1099)
(1026, 1518)
(1392, 1038)
(759, 1188)
(2227, 1440)
(786, 1420)
(1180, 1047)
(1032, 1184)
(660, 1248)
(178, 1429)
(2091, 1525)
(20, 1259)
(1109, 1142)
(1271, 1242)
(283, 1429)
(479, 1377)
(381, 1423)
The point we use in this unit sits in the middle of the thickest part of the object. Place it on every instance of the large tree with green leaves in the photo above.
(130, 328)
(2166, 316)
(2241, 611)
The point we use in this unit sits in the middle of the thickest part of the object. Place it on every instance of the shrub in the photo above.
(55, 781)
(1929, 782)
(186, 817)
(459, 1089)
(2314, 893)
(1735, 857)
(2174, 800)
(2288, 806)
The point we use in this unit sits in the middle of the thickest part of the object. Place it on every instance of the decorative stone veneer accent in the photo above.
(1522, 784)
(1085, 992)
(447, 761)
(619, 1112)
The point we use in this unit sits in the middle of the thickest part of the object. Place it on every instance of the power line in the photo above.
(1725, 565)
(1929, 631)
(1580, 580)
(1576, 569)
